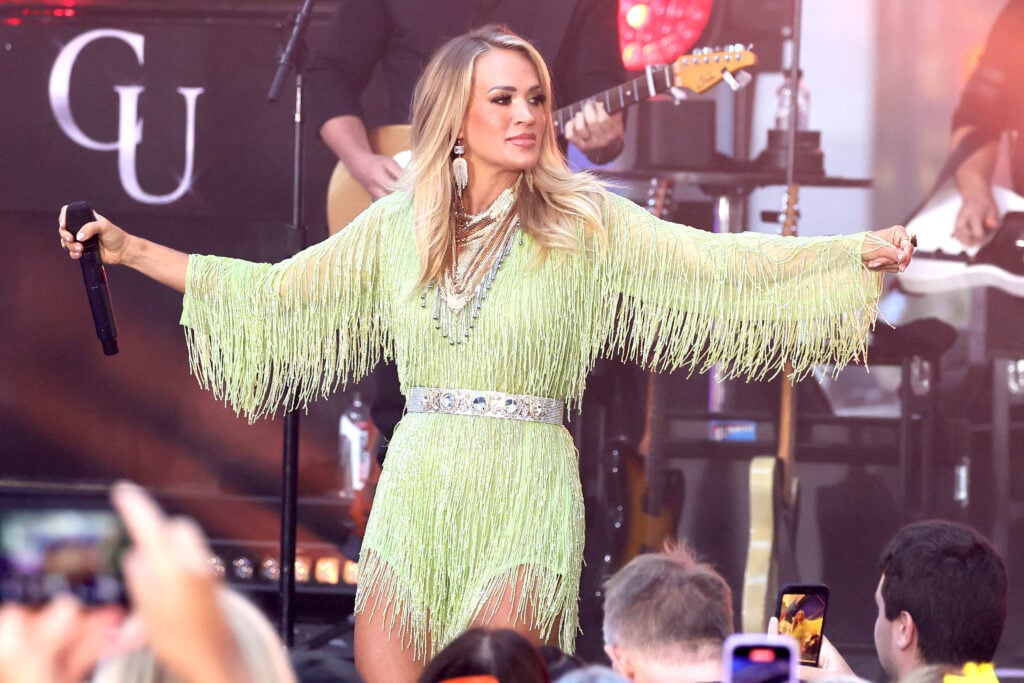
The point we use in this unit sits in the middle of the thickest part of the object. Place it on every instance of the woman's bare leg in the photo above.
(381, 659)
(502, 612)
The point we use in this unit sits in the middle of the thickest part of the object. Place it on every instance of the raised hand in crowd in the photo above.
(58, 643)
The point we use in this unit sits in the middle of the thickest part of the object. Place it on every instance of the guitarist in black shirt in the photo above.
(993, 104)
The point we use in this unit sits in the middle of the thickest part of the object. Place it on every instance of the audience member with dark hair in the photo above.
(666, 617)
(941, 601)
(941, 598)
(503, 653)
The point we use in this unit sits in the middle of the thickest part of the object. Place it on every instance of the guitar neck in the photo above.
(654, 81)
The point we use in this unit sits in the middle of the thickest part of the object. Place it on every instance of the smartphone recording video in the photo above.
(759, 658)
(45, 552)
(801, 614)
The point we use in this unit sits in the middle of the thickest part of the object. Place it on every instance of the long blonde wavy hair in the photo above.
(559, 209)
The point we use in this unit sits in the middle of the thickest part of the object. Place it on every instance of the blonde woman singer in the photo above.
(494, 277)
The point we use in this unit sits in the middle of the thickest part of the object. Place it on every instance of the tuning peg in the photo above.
(736, 81)
(677, 94)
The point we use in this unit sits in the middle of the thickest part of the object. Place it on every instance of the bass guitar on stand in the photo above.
(656, 491)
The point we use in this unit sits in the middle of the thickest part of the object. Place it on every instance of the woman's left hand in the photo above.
(889, 250)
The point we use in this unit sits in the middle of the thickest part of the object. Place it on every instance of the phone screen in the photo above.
(801, 615)
(49, 551)
(760, 663)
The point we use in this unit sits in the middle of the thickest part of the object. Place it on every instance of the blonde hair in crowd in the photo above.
(553, 205)
(258, 644)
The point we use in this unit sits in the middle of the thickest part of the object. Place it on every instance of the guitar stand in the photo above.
(917, 348)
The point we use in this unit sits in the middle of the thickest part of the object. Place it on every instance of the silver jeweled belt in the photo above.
(485, 404)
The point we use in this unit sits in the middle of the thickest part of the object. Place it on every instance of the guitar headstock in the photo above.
(704, 68)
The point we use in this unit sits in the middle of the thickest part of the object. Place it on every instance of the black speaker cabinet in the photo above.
(676, 135)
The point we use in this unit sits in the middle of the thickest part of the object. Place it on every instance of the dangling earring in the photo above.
(529, 180)
(460, 169)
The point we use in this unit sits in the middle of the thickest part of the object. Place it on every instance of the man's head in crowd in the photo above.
(666, 616)
(941, 598)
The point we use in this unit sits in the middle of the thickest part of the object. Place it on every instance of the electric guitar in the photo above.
(697, 72)
(656, 491)
(943, 264)
(774, 495)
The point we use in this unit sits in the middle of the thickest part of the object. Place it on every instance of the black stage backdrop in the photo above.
(160, 121)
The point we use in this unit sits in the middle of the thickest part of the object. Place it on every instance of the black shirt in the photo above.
(993, 99)
(577, 38)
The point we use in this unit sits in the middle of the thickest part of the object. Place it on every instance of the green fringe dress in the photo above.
(469, 507)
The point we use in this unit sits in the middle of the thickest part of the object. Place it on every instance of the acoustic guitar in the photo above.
(696, 72)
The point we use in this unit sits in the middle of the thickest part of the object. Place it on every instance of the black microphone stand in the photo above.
(794, 93)
(291, 59)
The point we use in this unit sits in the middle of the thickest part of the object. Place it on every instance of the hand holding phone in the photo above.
(51, 551)
(801, 614)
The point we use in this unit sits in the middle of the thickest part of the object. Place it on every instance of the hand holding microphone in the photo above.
(94, 276)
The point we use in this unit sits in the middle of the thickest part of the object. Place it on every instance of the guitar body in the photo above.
(761, 575)
(346, 198)
(772, 540)
(649, 522)
(656, 491)
(944, 264)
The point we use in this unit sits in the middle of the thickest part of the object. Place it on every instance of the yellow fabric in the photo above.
(468, 506)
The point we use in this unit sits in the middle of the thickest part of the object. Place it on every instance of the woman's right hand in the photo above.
(977, 218)
(113, 240)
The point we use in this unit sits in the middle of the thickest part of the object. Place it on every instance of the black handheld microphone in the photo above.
(94, 276)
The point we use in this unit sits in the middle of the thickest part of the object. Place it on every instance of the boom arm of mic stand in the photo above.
(292, 51)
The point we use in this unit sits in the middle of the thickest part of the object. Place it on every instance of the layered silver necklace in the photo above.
(479, 246)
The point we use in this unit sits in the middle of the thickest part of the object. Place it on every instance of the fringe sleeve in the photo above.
(264, 336)
(748, 301)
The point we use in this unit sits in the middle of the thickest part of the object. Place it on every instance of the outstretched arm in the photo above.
(117, 247)
(751, 301)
